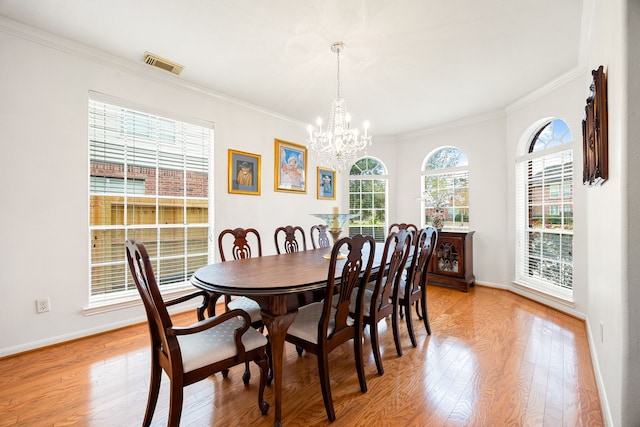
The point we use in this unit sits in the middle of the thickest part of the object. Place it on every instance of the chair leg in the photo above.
(323, 371)
(263, 364)
(357, 349)
(396, 329)
(425, 315)
(154, 389)
(175, 402)
(418, 311)
(375, 346)
(410, 325)
(270, 359)
(247, 373)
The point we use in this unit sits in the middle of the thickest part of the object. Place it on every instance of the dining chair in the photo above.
(380, 301)
(404, 226)
(241, 243)
(189, 354)
(290, 239)
(413, 290)
(320, 327)
(319, 236)
(414, 229)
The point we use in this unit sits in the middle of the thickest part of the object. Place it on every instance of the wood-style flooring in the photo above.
(493, 359)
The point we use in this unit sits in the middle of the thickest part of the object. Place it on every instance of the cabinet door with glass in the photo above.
(452, 261)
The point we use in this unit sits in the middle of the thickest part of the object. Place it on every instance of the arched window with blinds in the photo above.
(445, 188)
(368, 185)
(544, 211)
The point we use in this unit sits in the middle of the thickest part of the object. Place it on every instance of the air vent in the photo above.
(165, 64)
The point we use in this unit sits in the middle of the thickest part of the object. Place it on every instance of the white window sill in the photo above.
(132, 299)
(560, 295)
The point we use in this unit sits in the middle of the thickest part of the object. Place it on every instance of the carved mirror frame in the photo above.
(594, 132)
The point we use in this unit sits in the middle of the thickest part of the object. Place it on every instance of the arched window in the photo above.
(544, 211)
(445, 188)
(368, 183)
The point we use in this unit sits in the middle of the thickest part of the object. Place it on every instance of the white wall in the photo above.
(44, 91)
(630, 412)
(607, 227)
(482, 140)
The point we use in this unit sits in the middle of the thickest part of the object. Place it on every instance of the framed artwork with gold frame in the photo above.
(326, 184)
(244, 173)
(595, 166)
(290, 171)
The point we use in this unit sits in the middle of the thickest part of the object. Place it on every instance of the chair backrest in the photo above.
(290, 237)
(322, 239)
(404, 226)
(396, 249)
(424, 247)
(145, 280)
(354, 274)
(241, 240)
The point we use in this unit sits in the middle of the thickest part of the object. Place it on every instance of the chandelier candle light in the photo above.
(338, 145)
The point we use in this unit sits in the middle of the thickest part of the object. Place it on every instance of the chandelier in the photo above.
(338, 144)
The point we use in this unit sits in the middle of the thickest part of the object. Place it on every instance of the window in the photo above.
(544, 211)
(445, 187)
(149, 181)
(368, 198)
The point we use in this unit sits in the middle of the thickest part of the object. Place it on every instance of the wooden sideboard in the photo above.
(452, 261)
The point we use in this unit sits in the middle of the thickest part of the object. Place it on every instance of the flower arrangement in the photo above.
(436, 199)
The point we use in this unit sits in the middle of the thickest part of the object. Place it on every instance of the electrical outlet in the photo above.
(43, 305)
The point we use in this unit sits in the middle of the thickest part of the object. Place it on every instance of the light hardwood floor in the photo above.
(494, 359)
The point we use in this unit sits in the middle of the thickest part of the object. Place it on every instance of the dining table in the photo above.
(275, 282)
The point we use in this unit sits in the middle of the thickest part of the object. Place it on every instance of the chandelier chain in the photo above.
(338, 74)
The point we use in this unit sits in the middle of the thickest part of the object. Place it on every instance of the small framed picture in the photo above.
(290, 167)
(326, 184)
(244, 173)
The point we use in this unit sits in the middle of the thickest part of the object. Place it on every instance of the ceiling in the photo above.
(407, 65)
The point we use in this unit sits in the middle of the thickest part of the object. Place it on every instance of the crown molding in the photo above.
(89, 53)
(471, 120)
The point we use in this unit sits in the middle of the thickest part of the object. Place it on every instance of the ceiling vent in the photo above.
(165, 64)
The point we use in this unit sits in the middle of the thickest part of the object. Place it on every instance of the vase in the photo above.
(437, 218)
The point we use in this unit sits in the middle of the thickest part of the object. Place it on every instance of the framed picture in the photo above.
(244, 173)
(290, 167)
(326, 184)
(595, 162)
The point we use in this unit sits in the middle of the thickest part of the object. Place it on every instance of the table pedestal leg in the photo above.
(277, 325)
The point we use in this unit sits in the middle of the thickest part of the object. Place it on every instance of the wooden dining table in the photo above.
(274, 282)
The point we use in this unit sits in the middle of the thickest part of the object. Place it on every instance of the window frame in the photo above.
(523, 231)
(200, 204)
(443, 173)
(358, 228)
